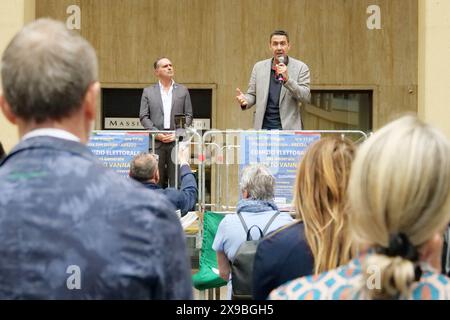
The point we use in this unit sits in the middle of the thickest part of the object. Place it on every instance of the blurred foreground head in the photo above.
(49, 79)
(399, 194)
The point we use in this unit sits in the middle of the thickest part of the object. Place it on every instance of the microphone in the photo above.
(280, 76)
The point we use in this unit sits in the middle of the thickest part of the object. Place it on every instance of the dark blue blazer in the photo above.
(64, 216)
(281, 257)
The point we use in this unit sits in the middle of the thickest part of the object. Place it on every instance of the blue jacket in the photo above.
(281, 257)
(183, 199)
(63, 217)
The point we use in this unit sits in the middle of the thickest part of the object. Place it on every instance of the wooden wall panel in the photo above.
(218, 41)
(55, 9)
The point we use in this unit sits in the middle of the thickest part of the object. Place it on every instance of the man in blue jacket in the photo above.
(69, 227)
(144, 168)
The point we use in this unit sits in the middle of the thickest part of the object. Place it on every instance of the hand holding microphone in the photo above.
(281, 70)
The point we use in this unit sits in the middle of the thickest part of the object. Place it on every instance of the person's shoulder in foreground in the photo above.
(69, 227)
(85, 215)
(282, 256)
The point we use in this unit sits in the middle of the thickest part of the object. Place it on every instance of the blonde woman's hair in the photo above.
(320, 200)
(399, 184)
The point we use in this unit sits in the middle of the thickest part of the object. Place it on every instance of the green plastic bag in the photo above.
(206, 278)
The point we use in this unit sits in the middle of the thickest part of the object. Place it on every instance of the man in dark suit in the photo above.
(160, 104)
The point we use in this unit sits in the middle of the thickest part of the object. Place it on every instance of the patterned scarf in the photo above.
(252, 205)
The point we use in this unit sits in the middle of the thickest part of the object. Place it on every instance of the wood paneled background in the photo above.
(216, 42)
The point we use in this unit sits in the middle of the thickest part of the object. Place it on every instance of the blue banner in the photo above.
(281, 153)
(117, 149)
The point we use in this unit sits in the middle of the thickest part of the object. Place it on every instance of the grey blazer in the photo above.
(152, 112)
(293, 93)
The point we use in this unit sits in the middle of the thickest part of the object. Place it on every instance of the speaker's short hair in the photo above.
(279, 33)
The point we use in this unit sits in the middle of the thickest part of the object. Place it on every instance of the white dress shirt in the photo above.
(167, 103)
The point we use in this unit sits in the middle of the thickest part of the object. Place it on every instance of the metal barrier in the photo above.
(218, 141)
(199, 150)
(198, 146)
(191, 141)
(221, 142)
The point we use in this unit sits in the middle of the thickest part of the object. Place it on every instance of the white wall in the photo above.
(434, 63)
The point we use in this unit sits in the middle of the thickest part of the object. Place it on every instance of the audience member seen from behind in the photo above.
(319, 239)
(144, 168)
(257, 208)
(69, 227)
(399, 195)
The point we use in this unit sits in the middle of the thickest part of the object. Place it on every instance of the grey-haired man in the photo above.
(69, 227)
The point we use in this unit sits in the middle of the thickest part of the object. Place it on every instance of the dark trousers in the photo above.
(165, 164)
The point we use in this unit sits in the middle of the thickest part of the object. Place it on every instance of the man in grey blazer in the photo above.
(278, 86)
(160, 104)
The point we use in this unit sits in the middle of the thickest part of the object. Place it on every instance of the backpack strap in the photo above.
(243, 222)
(249, 236)
(262, 233)
(270, 222)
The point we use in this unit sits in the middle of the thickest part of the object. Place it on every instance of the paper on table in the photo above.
(188, 219)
